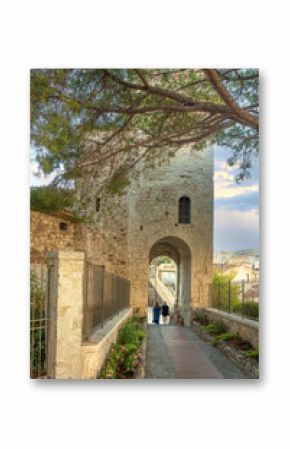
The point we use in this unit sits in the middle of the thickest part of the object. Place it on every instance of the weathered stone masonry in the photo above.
(130, 229)
(46, 234)
(126, 233)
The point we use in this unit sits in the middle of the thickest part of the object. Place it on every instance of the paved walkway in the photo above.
(176, 352)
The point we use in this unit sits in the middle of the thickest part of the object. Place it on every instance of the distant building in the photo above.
(245, 266)
(256, 264)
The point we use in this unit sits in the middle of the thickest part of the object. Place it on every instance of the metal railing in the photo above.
(38, 320)
(237, 297)
(105, 295)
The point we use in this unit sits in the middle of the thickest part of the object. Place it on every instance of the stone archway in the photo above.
(179, 251)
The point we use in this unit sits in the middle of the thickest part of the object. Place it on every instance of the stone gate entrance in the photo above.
(166, 209)
(177, 250)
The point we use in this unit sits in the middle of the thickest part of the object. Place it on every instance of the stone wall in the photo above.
(153, 219)
(127, 230)
(46, 234)
(126, 227)
(95, 350)
(68, 356)
(105, 239)
(248, 329)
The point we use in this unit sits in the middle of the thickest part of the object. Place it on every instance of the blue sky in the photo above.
(236, 214)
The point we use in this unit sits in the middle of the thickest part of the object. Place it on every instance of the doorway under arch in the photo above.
(177, 250)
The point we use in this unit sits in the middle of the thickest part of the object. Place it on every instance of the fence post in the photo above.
(229, 296)
(65, 314)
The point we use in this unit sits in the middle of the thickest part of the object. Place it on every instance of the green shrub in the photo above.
(118, 182)
(131, 333)
(51, 199)
(240, 343)
(201, 317)
(223, 337)
(250, 309)
(124, 356)
(162, 259)
(253, 353)
(37, 329)
(236, 340)
(225, 294)
(216, 328)
(121, 363)
(36, 294)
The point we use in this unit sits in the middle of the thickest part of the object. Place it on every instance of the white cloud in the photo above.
(236, 229)
(37, 178)
(225, 184)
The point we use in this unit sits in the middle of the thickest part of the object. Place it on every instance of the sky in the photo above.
(236, 206)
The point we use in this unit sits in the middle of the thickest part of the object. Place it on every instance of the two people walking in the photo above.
(165, 313)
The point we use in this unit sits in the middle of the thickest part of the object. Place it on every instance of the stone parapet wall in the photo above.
(96, 348)
(248, 329)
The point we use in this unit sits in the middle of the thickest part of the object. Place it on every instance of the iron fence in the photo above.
(239, 298)
(38, 320)
(105, 295)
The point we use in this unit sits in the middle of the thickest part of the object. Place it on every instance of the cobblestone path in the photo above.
(176, 352)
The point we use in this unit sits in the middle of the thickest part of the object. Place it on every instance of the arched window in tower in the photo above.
(184, 210)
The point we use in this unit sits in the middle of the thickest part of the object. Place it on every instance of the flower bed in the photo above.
(126, 356)
(233, 346)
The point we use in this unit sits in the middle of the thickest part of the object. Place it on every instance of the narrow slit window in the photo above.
(98, 204)
(184, 210)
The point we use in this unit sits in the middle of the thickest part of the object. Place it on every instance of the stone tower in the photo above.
(165, 211)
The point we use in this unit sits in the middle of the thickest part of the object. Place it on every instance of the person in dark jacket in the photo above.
(156, 313)
(165, 313)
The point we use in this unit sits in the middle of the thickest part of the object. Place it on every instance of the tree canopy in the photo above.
(83, 120)
(50, 199)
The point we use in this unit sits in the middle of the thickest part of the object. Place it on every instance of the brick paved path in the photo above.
(176, 352)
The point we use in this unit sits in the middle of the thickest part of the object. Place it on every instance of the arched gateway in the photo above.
(166, 209)
(179, 251)
(157, 227)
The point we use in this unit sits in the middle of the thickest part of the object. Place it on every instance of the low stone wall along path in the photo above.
(176, 352)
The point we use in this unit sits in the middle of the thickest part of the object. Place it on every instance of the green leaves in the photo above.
(50, 199)
(118, 182)
(249, 309)
(124, 356)
(225, 293)
(157, 110)
(216, 328)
